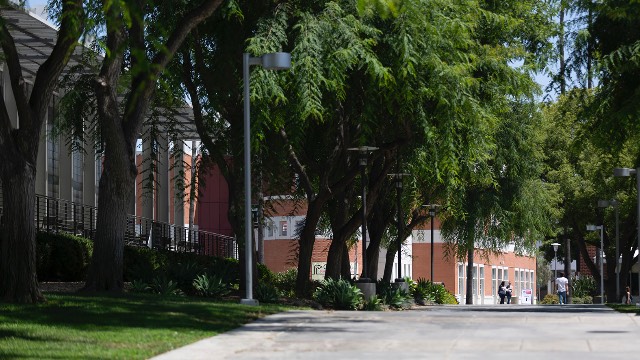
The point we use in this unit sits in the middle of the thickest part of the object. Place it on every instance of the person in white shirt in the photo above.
(562, 286)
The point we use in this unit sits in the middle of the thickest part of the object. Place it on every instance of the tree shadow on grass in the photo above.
(82, 312)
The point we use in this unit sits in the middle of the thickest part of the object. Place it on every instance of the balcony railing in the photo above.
(56, 215)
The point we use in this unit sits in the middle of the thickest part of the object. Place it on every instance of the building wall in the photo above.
(213, 203)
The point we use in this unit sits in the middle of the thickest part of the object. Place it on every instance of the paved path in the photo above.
(573, 332)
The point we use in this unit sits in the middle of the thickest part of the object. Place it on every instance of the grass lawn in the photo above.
(130, 326)
(625, 308)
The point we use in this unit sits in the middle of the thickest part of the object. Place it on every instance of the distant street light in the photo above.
(364, 152)
(432, 214)
(614, 203)
(271, 61)
(555, 260)
(624, 172)
(595, 228)
(398, 182)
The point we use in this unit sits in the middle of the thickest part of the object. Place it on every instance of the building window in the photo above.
(516, 285)
(481, 280)
(460, 279)
(522, 280)
(494, 280)
(270, 228)
(283, 228)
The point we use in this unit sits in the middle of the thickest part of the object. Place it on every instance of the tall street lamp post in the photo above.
(432, 214)
(398, 182)
(271, 61)
(555, 259)
(624, 172)
(614, 203)
(364, 152)
(595, 228)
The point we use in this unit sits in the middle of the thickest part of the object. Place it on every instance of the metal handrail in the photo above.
(58, 215)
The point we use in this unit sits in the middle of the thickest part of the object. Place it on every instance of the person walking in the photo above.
(562, 286)
(502, 292)
(627, 296)
(509, 290)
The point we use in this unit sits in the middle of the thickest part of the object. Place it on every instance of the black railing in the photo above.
(56, 215)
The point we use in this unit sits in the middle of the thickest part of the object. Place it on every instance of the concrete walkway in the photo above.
(436, 332)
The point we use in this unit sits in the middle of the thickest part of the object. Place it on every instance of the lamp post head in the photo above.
(398, 178)
(276, 61)
(555, 246)
(607, 203)
(623, 172)
(364, 152)
(432, 208)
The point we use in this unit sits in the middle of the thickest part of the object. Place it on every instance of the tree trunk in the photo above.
(388, 264)
(469, 295)
(346, 263)
(18, 279)
(335, 255)
(117, 181)
(306, 241)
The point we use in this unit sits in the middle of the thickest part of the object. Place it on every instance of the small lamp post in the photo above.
(624, 172)
(614, 203)
(555, 259)
(364, 152)
(596, 228)
(271, 61)
(432, 214)
(398, 182)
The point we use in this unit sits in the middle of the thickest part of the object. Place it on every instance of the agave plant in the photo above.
(338, 294)
(210, 286)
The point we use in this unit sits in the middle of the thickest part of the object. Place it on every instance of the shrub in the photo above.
(338, 294)
(435, 293)
(392, 296)
(210, 286)
(286, 282)
(184, 273)
(372, 304)
(163, 286)
(141, 263)
(584, 285)
(267, 292)
(582, 299)
(550, 299)
(62, 257)
(139, 286)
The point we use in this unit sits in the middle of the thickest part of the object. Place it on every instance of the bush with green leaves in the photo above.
(163, 286)
(267, 293)
(62, 257)
(338, 294)
(210, 286)
(393, 296)
(373, 304)
(582, 299)
(139, 286)
(286, 282)
(583, 285)
(550, 299)
(427, 292)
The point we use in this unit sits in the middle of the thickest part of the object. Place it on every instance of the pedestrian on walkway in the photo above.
(502, 292)
(627, 296)
(509, 290)
(562, 287)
